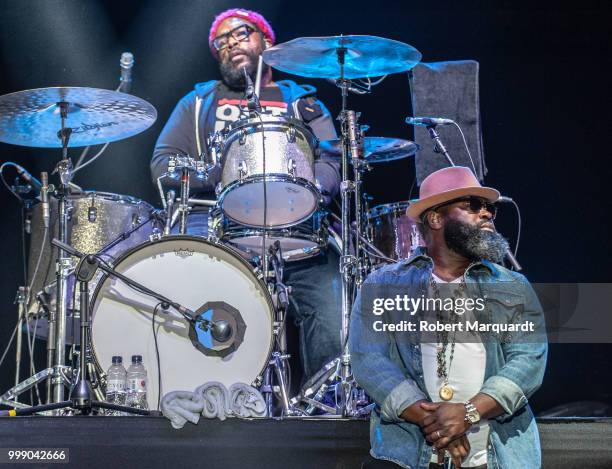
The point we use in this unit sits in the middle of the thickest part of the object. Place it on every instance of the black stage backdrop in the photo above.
(544, 89)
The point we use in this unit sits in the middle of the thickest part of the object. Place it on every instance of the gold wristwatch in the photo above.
(472, 415)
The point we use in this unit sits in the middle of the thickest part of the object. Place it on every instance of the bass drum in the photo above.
(209, 279)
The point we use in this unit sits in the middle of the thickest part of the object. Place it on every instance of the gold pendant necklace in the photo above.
(446, 392)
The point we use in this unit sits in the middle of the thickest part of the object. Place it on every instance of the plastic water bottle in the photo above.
(137, 384)
(115, 384)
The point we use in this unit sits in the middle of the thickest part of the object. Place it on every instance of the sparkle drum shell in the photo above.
(289, 149)
(94, 220)
(392, 231)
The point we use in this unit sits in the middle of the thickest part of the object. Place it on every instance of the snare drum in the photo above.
(288, 149)
(392, 231)
(212, 281)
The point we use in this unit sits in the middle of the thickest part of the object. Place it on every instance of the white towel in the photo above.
(246, 401)
(181, 407)
(212, 400)
(216, 399)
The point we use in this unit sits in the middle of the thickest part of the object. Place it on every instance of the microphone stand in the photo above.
(81, 395)
(439, 148)
(165, 302)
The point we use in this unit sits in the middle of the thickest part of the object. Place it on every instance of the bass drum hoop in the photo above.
(228, 249)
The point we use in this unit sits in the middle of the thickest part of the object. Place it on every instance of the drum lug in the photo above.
(242, 138)
(291, 135)
(291, 166)
(135, 220)
(257, 382)
(155, 236)
(243, 171)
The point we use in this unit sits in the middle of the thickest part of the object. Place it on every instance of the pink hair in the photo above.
(251, 16)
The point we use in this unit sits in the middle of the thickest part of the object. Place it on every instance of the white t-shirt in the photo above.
(465, 377)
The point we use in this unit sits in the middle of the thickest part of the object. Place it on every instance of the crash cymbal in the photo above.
(375, 149)
(32, 117)
(366, 56)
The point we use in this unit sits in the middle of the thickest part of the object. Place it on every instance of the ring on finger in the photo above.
(439, 434)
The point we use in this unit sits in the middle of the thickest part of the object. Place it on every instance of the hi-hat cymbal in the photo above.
(365, 56)
(32, 117)
(375, 149)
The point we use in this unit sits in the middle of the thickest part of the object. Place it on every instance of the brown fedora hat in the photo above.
(448, 184)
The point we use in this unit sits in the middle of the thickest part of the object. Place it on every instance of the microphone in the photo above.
(44, 195)
(504, 199)
(27, 177)
(221, 330)
(428, 121)
(126, 63)
(252, 99)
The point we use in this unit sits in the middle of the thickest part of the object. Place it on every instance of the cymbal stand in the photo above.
(57, 328)
(348, 262)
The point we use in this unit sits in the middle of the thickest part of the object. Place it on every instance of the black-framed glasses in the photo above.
(239, 33)
(473, 204)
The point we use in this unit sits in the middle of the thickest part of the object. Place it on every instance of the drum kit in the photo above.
(147, 285)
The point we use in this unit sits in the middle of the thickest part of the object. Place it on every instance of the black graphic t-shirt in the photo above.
(231, 105)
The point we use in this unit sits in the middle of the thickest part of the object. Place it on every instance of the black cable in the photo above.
(157, 354)
(519, 228)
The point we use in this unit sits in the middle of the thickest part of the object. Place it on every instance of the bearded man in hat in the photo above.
(438, 397)
(237, 38)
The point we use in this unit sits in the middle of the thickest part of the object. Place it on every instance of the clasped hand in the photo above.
(445, 427)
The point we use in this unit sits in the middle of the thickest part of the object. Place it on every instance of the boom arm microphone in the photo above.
(251, 96)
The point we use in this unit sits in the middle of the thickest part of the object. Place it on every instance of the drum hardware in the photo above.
(243, 172)
(20, 300)
(81, 389)
(185, 165)
(279, 359)
(344, 58)
(169, 211)
(111, 116)
(112, 232)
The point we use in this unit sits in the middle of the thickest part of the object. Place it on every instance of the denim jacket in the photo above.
(390, 369)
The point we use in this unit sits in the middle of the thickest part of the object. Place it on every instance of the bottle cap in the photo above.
(117, 360)
(136, 358)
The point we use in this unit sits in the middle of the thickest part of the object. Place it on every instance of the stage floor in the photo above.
(150, 442)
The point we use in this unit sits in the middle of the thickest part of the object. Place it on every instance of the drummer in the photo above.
(237, 38)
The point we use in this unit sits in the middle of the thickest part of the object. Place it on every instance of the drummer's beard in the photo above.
(233, 76)
(474, 243)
